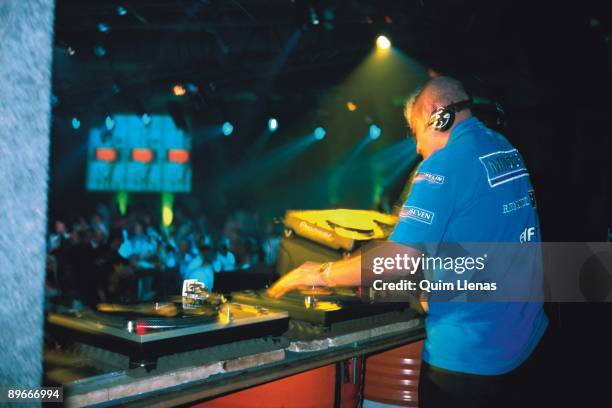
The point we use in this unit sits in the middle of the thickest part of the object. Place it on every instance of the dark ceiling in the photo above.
(228, 48)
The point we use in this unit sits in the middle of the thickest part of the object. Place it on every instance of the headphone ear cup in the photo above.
(442, 119)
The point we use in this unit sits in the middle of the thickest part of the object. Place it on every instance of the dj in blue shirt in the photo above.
(472, 187)
(475, 189)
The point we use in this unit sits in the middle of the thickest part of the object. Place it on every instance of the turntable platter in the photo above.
(139, 322)
(324, 306)
(165, 309)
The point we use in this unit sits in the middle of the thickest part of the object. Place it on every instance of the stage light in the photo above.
(314, 18)
(351, 106)
(122, 201)
(272, 124)
(167, 216)
(192, 88)
(103, 27)
(99, 51)
(122, 11)
(328, 18)
(146, 119)
(319, 133)
(76, 123)
(375, 131)
(227, 129)
(179, 90)
(71, 51)
(109, 122)
(167, 200)
(383, 42)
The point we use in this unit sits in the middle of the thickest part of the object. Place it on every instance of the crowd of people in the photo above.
(112, 258)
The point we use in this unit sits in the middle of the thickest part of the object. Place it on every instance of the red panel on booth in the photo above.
(392, 377)
(310, 389)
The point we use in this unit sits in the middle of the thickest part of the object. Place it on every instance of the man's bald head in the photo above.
(436, 93)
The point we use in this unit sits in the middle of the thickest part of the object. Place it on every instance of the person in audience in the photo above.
(143, 246)
(270, 245)
(200, 268)
(225, 260)
(58, 236)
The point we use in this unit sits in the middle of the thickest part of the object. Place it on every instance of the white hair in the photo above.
(435, 93)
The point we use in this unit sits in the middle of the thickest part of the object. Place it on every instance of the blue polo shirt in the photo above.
(475, 189)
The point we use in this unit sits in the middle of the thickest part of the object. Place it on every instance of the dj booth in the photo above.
(316, 348)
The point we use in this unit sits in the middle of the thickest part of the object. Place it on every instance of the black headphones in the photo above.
(443, 118)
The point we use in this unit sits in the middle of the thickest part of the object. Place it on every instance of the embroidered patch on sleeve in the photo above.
(429, 177)
(417, 214)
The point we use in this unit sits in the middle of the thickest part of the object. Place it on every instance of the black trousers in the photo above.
(532, 384)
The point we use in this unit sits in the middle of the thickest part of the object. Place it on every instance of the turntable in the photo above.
(323, 306)
(145, 332)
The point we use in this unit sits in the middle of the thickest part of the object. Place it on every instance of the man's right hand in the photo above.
(306, 275)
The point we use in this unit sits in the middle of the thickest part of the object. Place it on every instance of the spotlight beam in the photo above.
(268, 164)
(346, 163)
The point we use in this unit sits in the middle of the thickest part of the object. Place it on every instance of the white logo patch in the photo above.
(527, 235)
(504, 166)
(417, 214)
(429, 177)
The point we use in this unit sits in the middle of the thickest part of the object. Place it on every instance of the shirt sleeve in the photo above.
(424, 217)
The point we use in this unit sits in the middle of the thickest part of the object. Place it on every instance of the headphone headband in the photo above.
(459, 106)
